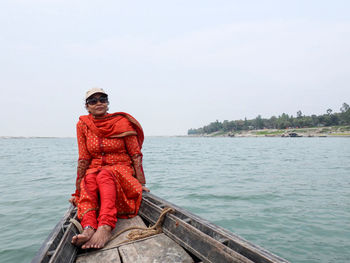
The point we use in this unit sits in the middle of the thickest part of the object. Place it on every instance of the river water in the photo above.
(290, 196)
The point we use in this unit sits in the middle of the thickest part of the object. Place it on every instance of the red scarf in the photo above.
(115, 125)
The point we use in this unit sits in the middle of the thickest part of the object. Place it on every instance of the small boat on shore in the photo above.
(185, 237)
(291, 134)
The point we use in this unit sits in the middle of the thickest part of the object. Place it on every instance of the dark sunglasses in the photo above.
(93, 101)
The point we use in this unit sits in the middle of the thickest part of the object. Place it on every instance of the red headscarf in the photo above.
(115, 125)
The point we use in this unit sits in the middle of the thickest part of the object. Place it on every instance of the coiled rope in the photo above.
(143, 232)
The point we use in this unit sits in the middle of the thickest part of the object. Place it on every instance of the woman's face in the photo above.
(97, 104)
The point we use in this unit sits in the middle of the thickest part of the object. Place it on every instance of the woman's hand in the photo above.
(72, 201)
(144, 188)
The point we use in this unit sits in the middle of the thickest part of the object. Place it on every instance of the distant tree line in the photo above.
(283, 121)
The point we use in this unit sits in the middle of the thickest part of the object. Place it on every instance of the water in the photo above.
(288, 195)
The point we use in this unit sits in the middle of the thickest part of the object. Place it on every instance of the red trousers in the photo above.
(101, 187)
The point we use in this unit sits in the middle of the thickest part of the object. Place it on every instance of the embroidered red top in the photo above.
(112, 143)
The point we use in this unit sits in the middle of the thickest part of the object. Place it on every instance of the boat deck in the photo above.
(157, 248)
(185, 238)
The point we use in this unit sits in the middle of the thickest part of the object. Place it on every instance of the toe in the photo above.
(74, 239)
(86, 245)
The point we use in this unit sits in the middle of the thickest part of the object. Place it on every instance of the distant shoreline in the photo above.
(332, 131)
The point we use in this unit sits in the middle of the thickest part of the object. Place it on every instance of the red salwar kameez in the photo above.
(110, 170)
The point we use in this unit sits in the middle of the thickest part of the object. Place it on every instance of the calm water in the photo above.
(288, 195)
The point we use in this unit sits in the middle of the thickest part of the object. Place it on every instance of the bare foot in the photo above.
(100, 238)
(82, 238)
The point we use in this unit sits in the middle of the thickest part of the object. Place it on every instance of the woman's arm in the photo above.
(140, 175)
(134, 151)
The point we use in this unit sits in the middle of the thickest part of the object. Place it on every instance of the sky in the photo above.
(173, 65)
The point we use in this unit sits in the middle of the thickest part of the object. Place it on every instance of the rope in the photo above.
(143, 232)
(77, 224)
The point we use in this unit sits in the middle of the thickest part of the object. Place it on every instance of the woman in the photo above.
(110, 178)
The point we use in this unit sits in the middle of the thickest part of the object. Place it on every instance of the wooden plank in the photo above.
(105, 256)
(203, 246)
(157, 249)
(121, 225)
(110, 253)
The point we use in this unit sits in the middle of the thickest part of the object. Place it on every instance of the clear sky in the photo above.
(173, 65)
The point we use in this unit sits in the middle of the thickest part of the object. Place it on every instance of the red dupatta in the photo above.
(115, 125)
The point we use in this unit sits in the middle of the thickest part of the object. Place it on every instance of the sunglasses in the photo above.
(93, 101)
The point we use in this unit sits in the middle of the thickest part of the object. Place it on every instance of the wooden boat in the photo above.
(185, 238)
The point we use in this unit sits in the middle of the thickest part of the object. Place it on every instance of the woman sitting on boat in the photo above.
(110, 178)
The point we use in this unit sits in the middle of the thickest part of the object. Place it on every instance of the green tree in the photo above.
(283, 121)
(345, 107)
(299, 114)
(239, 125)
(344, 117)
(272, 123)
(246, 124)
(314, 120)
(228, 125)
(259, 123)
